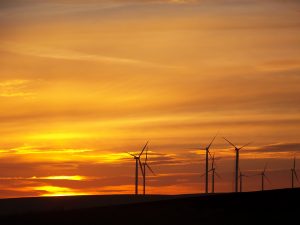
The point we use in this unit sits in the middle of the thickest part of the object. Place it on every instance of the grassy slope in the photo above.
(270, 207)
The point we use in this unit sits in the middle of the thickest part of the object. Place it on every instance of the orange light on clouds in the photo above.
(58, 136)
(82, 83)
(37, 150)
(76, 177)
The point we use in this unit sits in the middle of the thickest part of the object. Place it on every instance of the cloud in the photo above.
(279, 148)
(15, 88)
(64, 54)
(118, 72)
(45, 150)
(280, 65)
(73, 177)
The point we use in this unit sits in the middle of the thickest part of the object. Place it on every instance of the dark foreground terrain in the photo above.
(269, 207)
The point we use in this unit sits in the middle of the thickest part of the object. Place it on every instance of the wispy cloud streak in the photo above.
(61, 54)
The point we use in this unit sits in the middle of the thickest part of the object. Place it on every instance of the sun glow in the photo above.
(58, 191)
(73, 106)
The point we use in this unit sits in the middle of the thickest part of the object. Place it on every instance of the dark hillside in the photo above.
(269, 207)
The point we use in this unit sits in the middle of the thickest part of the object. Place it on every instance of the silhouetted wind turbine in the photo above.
(263, 176)
(237, 155)
(241, 180)
(207, 152)
(294, 172)
(145, 166)
(137, 163)
(213, 170)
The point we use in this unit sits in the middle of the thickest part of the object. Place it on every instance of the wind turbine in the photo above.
(263, 176)
(213, 170)
(294, 172)
(137, 163)
(237, 156)
(145, 166)
(207, 152)
(241, 180)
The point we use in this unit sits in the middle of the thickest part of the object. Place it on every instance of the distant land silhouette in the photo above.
(268, 207)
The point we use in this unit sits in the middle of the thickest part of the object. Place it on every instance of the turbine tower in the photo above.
(263, 177)
(145, 166)
(137, 159)
(294, 172)
(237, 156)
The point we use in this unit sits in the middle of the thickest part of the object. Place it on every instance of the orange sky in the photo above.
(83, 82)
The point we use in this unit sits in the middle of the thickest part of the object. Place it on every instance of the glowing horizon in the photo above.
(84, 82)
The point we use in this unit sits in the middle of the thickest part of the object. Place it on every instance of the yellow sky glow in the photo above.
(82, 83)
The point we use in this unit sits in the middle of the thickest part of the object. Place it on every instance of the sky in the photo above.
(84, 82)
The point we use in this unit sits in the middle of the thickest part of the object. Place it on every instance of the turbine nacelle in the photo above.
(235, 147)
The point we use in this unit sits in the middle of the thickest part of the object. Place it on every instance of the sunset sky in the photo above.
(82, 82)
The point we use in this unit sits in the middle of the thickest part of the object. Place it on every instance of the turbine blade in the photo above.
(218, 175)
(294, 162)
(245, 145)
(202, 175)
(146, 159)
(268, 179)
(150, 169)
(131, 154)
(295, 172)
(213, 161)
(144, 148)
(141, 166)
(255, 175)
(230, 143)
(212, 141)
(266, 165)
(209, 154)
